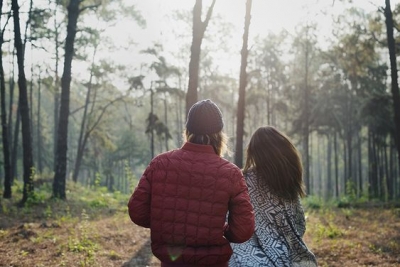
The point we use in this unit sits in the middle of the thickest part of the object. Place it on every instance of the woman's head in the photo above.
(276, 162)
(204, 126)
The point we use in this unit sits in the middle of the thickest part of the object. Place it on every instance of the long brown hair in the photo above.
(218, 140)
(276, 162)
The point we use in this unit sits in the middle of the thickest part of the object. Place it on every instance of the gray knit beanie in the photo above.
(204, 117)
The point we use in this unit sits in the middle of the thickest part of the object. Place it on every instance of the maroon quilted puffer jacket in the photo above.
(184, 196)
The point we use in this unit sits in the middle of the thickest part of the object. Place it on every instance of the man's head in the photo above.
(204, 117)
(204, 126)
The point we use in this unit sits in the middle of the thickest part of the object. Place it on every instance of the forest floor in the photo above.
(93, 229)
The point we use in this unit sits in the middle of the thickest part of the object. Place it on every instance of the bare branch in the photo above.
(93, 7)
(209, 13)
(28, 23)
(103, 110)
(5, 24)
(377, 40)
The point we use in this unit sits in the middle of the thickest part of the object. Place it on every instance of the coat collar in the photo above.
(198, 148)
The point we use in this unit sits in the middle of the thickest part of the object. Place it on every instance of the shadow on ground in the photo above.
(142, 258)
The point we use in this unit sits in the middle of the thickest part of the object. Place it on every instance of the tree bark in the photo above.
(393, 68)
(6, 147)
(242, 88)
(359, 163)
(12, 135)
(336, 155)
(56, 87)
(38, 130)
(14, 151)
(23, 108)
(62, 133)
(305, 131)
(389, 181)
(329, 184)
(199, 28)
(374, 178)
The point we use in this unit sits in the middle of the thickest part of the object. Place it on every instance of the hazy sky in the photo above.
(267, 15)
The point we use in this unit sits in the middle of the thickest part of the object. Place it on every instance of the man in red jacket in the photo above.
(185, 195)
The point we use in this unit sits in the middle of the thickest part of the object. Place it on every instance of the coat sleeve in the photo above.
(241, 215)
(140, 200)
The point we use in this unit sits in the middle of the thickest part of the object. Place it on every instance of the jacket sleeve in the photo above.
(241, 215)
(140, 200)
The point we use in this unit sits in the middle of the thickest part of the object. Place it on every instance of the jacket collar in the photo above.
(198, 148)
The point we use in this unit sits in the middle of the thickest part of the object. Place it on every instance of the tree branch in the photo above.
(209, 13)
(88, 7)
(376, 39)
(5, 24)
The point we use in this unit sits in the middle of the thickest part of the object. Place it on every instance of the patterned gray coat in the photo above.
(278, 237)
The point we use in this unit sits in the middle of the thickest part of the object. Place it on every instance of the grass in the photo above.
(92, 228)
(363, 236)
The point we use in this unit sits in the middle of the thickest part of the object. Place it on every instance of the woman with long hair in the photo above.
(274, 176)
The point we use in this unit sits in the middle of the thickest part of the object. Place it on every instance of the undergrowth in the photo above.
(74, 214)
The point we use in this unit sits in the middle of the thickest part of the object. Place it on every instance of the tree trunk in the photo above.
(389, 181)
(12, 135)
(14, 153)
(79, 156)
(62, 136)
(370, 162)
(375, 183)
(335, 148)
(6, 145)
(83, 128)
(199, 28)
(86, 129)
(318, 180)
(305, 131)
(381, 176)
(393, 68)
(329, 167)
(38, 132)
(23, 108)
(242, 88)
(359, 164)
(56, 87)
(393, 169)
(349, 136)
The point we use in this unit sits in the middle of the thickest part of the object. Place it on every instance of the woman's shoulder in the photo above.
(253, 180)
(249, 174)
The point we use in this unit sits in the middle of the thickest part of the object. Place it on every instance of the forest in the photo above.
(92, 90)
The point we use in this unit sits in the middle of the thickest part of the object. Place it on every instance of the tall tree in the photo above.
(242, 88)
(23, 107)
(6, 147)
(94, 110)
(305, 48)
(56, 34)
(393, 67)
(199, 27)
(62, 135)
